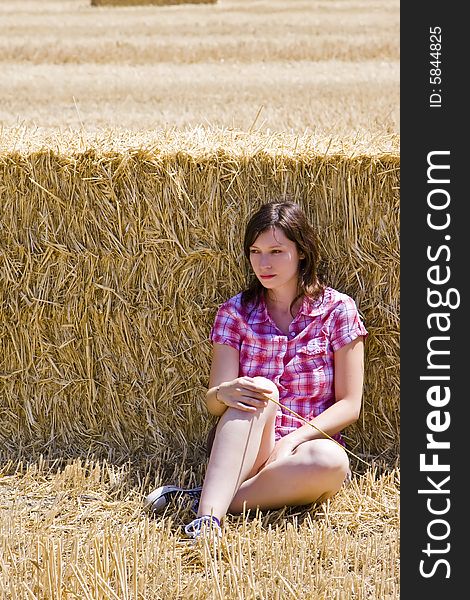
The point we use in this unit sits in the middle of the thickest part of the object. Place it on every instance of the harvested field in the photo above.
(143, 2)
(133, 143)
(78, 531)
(328, 68)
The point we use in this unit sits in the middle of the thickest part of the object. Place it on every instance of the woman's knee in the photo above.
(266, 414)
(327, 457)
(270, 409)
(330, 466)
(267, 383)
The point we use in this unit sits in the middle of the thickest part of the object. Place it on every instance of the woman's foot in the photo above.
(205, 527)
(158, 500)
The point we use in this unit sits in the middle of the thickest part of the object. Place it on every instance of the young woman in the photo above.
(286, 343)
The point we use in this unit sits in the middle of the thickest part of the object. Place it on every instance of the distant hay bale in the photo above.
(148, 2)
(114, 259)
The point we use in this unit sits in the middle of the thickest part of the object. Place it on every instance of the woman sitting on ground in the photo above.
(286, 343)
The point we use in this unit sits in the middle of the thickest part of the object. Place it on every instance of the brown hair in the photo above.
(290, 218)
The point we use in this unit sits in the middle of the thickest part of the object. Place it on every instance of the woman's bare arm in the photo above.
(348, 378)
(243, 393)
(224, 367)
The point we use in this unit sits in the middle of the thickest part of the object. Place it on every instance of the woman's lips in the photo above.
(267, 276)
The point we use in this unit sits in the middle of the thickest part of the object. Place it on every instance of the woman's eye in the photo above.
(256, 251)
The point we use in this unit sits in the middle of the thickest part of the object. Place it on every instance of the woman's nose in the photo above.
(265, 261)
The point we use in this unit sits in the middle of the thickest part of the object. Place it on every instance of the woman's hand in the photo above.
(282, 448)
(244, 393)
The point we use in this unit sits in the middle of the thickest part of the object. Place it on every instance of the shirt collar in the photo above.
(310, 308)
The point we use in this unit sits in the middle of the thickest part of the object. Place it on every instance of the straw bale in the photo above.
(114, 258)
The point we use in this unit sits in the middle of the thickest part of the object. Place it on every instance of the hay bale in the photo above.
(148, 2)
(115, 257)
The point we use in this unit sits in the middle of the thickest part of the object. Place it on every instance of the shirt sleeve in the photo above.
(347, 324)
(226, 328)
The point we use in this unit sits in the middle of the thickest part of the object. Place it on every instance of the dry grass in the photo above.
(329, 68)
(200, 141)
(78, 530)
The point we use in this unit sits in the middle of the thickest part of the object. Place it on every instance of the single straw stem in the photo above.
(318, 429)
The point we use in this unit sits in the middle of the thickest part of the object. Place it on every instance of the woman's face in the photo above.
(275, 259)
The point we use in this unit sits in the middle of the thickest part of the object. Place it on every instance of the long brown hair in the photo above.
(290, 218)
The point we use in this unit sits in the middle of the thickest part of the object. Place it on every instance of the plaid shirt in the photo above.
(299, 363)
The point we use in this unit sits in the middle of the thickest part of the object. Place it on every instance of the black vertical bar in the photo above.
(435, 266)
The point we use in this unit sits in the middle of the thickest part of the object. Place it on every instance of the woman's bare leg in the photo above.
(315, 471)
(243, 442)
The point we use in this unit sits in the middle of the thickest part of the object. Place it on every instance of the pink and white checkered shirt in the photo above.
(299, 363)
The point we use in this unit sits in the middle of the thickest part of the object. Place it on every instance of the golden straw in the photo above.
(318, 429)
